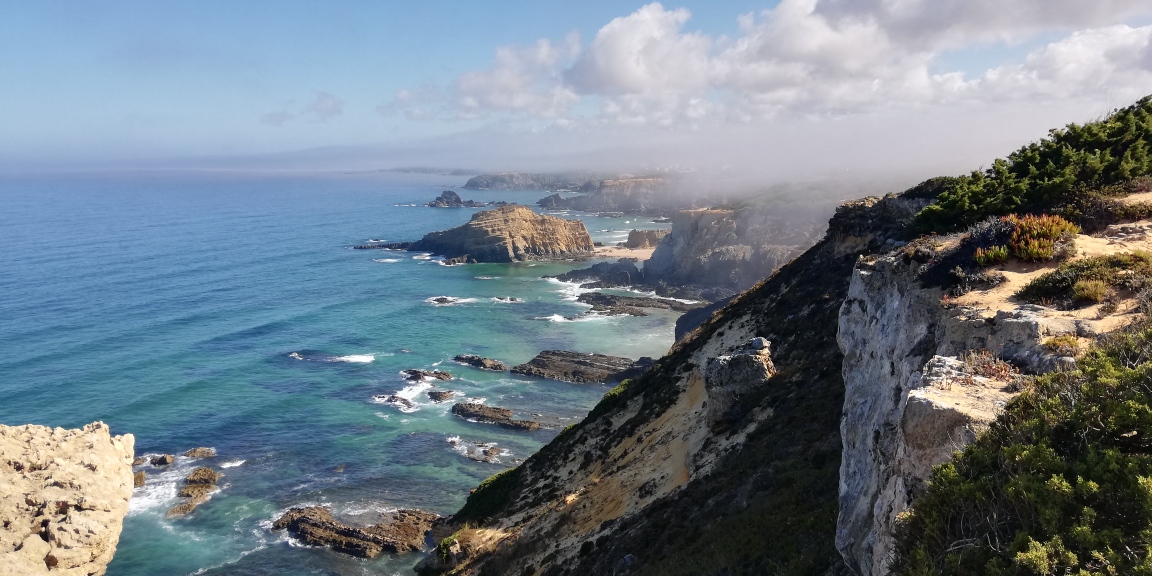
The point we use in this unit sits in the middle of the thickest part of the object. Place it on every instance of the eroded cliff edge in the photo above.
(722, 456)
(63, 498)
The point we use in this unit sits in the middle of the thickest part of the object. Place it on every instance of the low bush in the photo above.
(1128, 271)
(1041, 237)
(1064, 345)
(1089, 290)
(990, 256)
(1061, 483)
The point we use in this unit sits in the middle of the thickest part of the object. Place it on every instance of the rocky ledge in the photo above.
(614, 305)
(63, 497)
(482, 363)
(509, 234)
(493, 415)
(582, 368)
(398, 532)
(416, 375)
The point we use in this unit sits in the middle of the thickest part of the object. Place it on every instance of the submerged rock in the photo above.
(578, 367)
(395, 400)
(483, 363)
(398, 532)
(63, 498)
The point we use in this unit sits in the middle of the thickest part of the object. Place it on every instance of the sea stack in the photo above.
(509, 234)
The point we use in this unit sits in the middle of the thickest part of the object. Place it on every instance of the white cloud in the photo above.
(323, 107)
(807, 57)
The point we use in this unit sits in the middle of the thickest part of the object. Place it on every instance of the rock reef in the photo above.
(63, 498)
(493, 415)
(482, 363)
(398, 532)
(509, 234)
(450, 199)
(578, 367)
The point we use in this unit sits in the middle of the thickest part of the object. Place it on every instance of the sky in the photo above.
(793, 88)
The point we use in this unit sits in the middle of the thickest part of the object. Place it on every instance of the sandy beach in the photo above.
(621, 252)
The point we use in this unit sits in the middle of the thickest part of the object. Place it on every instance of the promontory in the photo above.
(509, 234)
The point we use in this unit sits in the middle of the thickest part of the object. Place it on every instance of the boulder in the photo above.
(196, 493)
(398, 532)
(201, 452)
(139, 461)
(482, 363)
(578, 367)
(138, 479)
(63, 498)
(509, 234)
(163, 460)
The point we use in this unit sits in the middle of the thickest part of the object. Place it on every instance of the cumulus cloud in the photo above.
(807, 57)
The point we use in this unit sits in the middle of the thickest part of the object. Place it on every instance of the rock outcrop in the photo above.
(563, 181)
(909, 399)
(493, 415)
(198, 485)
(578, 367)
(644, 238)
(450, 199)
(416, 374)
(201, 452)
(398, 532)
(509, 234)
(614, 305)
(63, 498)
(482, 363)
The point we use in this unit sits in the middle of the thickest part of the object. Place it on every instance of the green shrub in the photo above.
(1061, 483)
(1064, 344)
(993, 255)
(490, 497)
(1046, 174)
(1129, 271)
(1089, 290)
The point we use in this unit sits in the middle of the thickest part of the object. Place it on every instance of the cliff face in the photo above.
(910, 400)
(724, 457)
(509, 234)
(63, 497)
(729, 248)
(572, 181)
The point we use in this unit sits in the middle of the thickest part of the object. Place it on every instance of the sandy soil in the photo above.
(1019, 274)
(620, 252)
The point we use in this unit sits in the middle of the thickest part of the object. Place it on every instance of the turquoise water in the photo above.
(228, 311)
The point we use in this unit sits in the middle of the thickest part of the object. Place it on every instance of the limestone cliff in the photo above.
(509, 234)
(63, 497)
(723, 458)
(910, 399)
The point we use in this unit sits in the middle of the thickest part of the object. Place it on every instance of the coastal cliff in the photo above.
(63, 498)
(636, 195)
(730, 248)
(509, 234)
(566, 181)
(724, 455)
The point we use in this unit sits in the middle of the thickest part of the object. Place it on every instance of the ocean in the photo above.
(229, 311)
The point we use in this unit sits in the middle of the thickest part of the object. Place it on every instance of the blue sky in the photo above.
(94, 81)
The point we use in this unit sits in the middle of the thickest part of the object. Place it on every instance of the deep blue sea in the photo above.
(229, 311)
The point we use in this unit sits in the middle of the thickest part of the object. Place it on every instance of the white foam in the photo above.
(232, 463)
(296, 356)
(569, 290)
(507, 300)
(386, 260)
(449, 300)
(355, 358)
(486, 277)
(586, 317)
(161, 485)
(424, 256)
